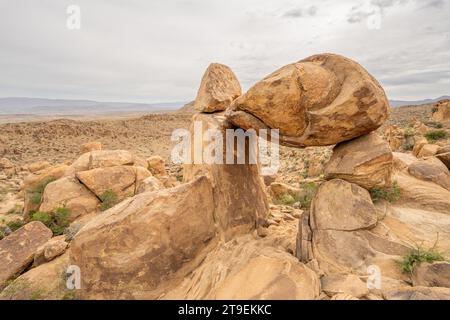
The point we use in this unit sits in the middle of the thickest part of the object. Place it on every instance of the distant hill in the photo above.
(398, 103)
(62, 106)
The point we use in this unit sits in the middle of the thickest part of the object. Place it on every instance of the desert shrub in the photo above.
(434, 135)
(391, 194)
(286, 199)
(56, 221)
(15, 225)
(434, 124)
(36, 195)
(109, 199)
(419, 255)
(2, 234)
(310, 189)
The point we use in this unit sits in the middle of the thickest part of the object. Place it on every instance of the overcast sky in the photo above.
(157, 51)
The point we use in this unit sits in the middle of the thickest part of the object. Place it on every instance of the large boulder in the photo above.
(366, 161)
(17, 250)
(101, 159)
(219, 87)
(145, 242)
(321, 100)
(45, 282)
(70, 193)
(120, 180)
(431, 169)
(343, 206)
(436, 274)
(443, 154)
(239, 195)
(441, 111)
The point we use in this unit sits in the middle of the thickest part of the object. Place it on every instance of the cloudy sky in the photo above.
(157, 51)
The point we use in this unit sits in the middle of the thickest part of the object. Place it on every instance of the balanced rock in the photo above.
(17, 250)
(321, 100)
(366, 161)
(219, 87)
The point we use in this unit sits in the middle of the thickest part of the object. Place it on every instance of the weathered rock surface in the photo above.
(50, 250)
(45, 282)
(436, 274)
(340, 205)
(118, 179)
(431, 169)
(428, 150)
(157, 166)
(401, 161)
(417, 293)
(149, 184)
(441, 111)
(219, 87)
(443, 154)
(18, 249)
(344, 284)
(366, 161)
(145, 242)
(70, 193)
(238, 190)
(321, 100)
(91, 146)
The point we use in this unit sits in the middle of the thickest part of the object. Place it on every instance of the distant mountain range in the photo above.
(398, 103)
(36, 106)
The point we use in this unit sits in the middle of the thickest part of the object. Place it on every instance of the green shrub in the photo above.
(56, 221)
(310, 190)
(286, 199)
(434, 135)
(109, 199)
(391, 194)
(419, 255)
(36, 195)
(2, 234)
(15, 225)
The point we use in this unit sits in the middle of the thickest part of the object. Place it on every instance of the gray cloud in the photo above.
(148, 51)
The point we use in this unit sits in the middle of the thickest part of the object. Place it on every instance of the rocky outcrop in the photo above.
(436, 274)
(45, 282)
(70, 193)
(165, 232)
(431, 169)
(441, 111)
(18, 249)
(239, 193)
(219, 87)
(321, 100)
(366, 161)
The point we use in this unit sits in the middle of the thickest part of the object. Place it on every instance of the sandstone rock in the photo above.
(441, 111)
(46, 282)
(344, 284)
(239, 193)
(395, 137)
(419, 144)
(38, 166)
(431, 169)
(417, 293)
(141, 175)
(443, 154)
(219, 87)
(343, 296)
(436, 274)
(50, 250)
(321, 100)
(248, 268)
(366, 161)
(109, 158)
(278, 189)
(304, 239)
(421, 194)
(146, 242)
(70, 193)
(401, 161)
(340, 205)
(18, 249)
(149, 184)
(120, 180)
(428, 150)
(157, 166)
(91, 146)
